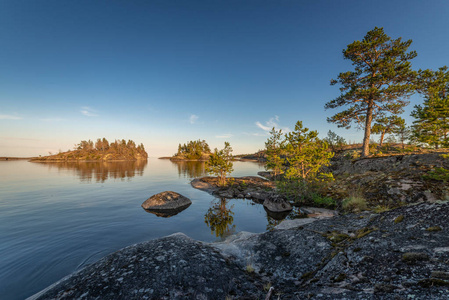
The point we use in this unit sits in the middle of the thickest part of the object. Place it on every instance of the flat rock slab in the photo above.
(173, 267)
(166, 201)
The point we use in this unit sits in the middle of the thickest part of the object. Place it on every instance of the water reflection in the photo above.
(167, 213)
(100, 171)
(275, 218)
(190, 169)
(219, 218)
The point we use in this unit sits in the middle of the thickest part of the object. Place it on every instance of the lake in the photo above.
(56, 218)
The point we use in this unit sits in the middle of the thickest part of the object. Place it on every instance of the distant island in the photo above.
(194, 150)
(101, 150)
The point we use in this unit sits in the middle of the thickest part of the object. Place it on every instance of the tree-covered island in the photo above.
(193, 150)
(101, 150)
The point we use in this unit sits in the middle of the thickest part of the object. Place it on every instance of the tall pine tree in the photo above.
(432, 118)
(380, 83)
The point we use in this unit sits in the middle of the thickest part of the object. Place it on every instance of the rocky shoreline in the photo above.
(398, 254)
(402, 253)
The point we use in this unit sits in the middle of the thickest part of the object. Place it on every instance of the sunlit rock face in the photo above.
(166, 201)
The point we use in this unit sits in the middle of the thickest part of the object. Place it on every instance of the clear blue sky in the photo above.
(166, 72)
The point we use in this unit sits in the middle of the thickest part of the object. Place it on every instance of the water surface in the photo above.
(56, 218)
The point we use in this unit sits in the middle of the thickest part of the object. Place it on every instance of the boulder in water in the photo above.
(166, 201)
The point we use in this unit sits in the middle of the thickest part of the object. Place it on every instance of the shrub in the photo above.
(440, 174)
(355, 202)
(293, 190)
(353, 154)
(323, 201)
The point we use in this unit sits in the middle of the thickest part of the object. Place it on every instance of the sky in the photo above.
(167, 72)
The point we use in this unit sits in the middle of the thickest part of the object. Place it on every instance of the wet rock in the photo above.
(166, 201)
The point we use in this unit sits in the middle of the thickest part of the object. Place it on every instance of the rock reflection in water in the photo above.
(219, 218)
(100, 171)
(166, 213)
(190, 169)
(275, 218)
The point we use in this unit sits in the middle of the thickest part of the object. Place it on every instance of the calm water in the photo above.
(57, 218)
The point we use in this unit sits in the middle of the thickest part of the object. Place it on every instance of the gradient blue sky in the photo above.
(166, 72)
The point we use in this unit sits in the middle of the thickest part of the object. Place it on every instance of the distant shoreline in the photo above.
(82, 160)
(204, 160)
(6, 158)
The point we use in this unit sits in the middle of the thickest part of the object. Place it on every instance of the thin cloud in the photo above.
(272, 122)
(265, 128)
(193, 119)
(224, 136)
(9, 117)
(88, 112)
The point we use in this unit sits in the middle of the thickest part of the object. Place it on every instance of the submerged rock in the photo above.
(166, 201)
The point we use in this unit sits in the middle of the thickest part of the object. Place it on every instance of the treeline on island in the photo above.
(193, 150)
(101, 150)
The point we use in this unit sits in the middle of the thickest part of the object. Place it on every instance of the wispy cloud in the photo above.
(88, 112)
(193, 119)
(224, 136)
(272, 122)
(10, 117)
(265, 128)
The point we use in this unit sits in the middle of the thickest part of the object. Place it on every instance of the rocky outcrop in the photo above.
(276, 203)
(393, 163)
(399, 254)
(249, 187)
(389, 181)
(166, 201)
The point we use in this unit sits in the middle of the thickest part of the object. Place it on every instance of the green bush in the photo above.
(323, 201)
(440, 174)
(293, 190)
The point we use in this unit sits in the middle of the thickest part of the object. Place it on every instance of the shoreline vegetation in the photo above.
(101, 150)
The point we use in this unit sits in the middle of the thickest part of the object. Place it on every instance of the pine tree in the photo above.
(335, 141)
(220, 163)
(432, 118)
(387, 125)
(274, 148)
(381, 82)
(305, 153)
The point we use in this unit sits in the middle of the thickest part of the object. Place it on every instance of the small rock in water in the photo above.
(166, 201)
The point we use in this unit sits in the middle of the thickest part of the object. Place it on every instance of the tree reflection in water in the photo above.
(100, 171)
(219, 218)
(190, 169)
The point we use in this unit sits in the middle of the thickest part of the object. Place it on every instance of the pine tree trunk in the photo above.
(382, 138)
(369, 118)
